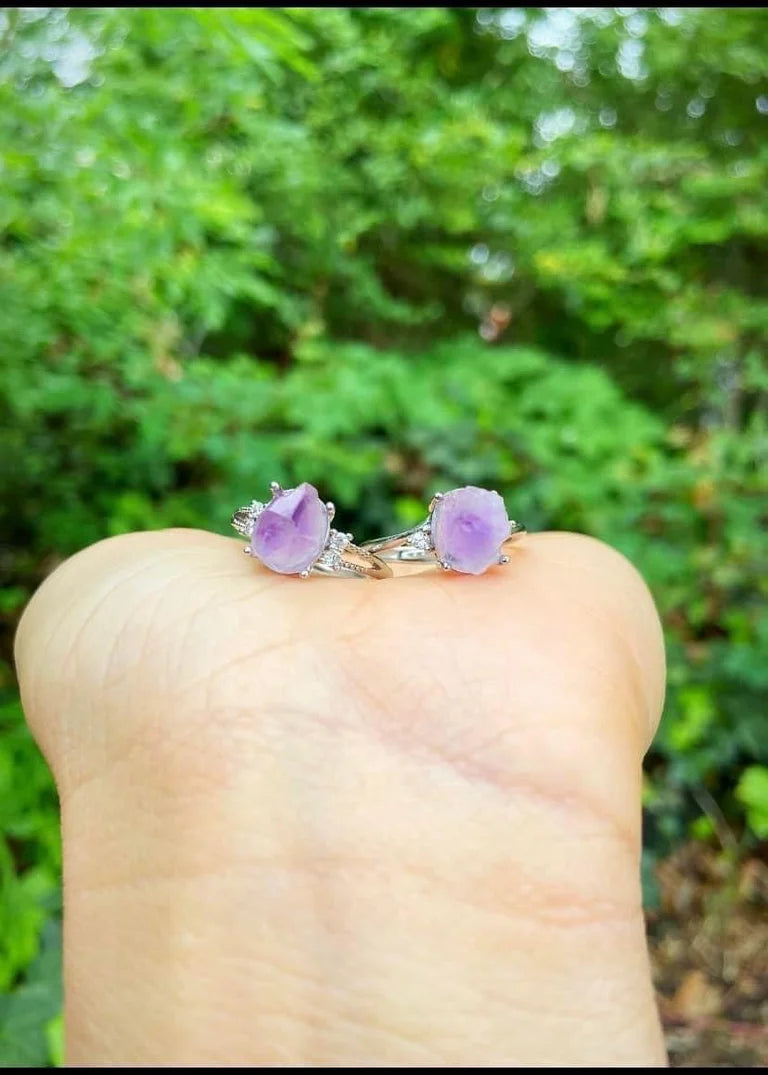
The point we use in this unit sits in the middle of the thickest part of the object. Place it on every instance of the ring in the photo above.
(466, 531)
(292, 534)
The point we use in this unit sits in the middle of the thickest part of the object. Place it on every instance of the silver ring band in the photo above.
(398, 547)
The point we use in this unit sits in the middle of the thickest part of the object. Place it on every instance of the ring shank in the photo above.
(356, 563)
(396, 547)
(393, 542)
(407, 553)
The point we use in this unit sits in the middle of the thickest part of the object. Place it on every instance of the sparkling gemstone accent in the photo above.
(421, 539)
(469, 526)
(290, 533)
(334, 549)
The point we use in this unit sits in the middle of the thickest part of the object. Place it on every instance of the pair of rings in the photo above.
(466, 530)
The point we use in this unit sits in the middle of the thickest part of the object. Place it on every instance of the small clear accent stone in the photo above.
(335, 546)
(339, 540)
(421, 539)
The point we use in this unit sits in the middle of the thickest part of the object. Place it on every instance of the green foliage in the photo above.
(30, 1017)
(30, 859)
(752, 792)
(388, 250)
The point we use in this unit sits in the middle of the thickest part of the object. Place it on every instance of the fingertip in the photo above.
(597, 574)
(78, 573)
(45, 651)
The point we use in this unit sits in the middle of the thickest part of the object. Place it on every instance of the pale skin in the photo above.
(338, 822)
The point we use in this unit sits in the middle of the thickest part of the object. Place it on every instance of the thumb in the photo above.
(322, 823)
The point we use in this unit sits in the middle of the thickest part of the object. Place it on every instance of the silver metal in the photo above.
(415, 544)
(357, 564)
(340, 557)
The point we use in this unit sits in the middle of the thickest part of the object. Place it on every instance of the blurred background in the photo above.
(390, 251)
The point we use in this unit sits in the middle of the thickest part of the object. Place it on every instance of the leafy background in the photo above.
(389, 251)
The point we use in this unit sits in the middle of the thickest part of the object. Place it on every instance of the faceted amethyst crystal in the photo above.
(291, 531)
(468, 528)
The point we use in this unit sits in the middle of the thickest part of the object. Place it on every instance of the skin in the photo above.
(327, 822)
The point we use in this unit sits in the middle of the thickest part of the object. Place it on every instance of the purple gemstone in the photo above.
(468, 528)
(292, 530)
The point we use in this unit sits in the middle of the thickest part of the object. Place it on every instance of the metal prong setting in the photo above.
(244, 518)
(434, 500)
(275, 488)
(331, 509)
(503, 559)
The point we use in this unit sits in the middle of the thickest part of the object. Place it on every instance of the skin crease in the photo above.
(328, 822)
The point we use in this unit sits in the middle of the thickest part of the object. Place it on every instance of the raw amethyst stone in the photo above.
(468, 528)
(291, 531)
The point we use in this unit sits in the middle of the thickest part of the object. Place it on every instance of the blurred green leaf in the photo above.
(752, 792)
(26, 1013)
